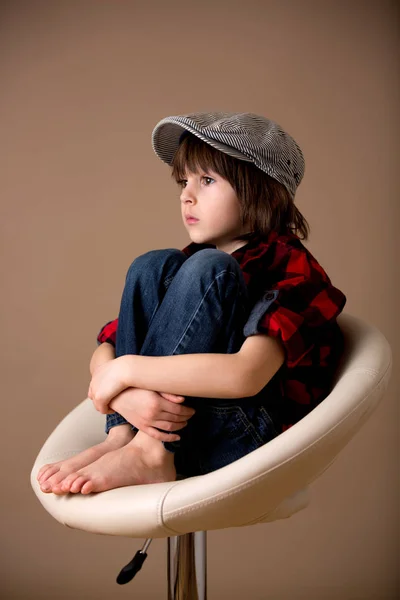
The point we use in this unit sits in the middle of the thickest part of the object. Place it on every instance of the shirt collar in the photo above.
(261, 241)
(255, 241)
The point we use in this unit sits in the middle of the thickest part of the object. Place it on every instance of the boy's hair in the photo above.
(265, 204)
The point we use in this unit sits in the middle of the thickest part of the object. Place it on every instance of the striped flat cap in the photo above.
(245, 136)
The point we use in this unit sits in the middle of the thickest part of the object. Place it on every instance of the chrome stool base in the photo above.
(187, 566)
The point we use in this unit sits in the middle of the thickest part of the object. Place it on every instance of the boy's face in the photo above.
(211, 199)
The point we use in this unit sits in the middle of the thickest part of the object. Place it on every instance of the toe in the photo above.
(87, 487)
(55, 480)
(57, 489)
(76, 486)
(68, 481)
(45, 487)
(41, 471)
(46, 472)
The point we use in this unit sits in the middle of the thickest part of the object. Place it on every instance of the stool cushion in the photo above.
(267, 484)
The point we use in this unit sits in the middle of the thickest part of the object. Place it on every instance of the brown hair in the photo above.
(265, 204)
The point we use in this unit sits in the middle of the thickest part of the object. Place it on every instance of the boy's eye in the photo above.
(181, 182)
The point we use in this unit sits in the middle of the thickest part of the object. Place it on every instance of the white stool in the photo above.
(265, 485)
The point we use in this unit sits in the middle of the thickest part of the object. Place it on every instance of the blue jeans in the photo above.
(174, 304)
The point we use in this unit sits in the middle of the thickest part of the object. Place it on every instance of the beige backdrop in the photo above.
(82, 85)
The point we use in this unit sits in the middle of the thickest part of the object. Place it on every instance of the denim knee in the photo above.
(219, 261)
(208, 256)
(146, 259)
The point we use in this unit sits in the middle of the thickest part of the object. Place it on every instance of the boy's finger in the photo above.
(169, 426)
(172, 418)
(159, 435)
(173, 397)
(176, 409)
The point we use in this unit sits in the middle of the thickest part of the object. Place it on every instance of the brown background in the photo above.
(82, 84)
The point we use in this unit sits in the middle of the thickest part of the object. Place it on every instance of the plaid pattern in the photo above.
(291, 298)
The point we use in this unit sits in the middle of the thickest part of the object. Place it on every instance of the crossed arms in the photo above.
(237, 375)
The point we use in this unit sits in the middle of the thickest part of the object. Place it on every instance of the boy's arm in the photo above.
(238, 375)
(203, 375)
(102, 354)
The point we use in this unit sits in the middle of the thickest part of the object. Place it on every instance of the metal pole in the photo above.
(187, 566)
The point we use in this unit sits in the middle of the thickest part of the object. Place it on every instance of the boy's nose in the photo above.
(187, 196)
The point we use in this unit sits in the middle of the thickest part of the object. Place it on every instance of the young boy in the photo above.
(239, 327)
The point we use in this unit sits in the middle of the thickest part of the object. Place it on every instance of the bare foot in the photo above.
(143, 460)
(50, 476)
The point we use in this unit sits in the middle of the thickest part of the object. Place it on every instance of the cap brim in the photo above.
(165, 140)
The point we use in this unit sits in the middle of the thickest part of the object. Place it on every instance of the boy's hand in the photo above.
(148, 410)
(106, 383)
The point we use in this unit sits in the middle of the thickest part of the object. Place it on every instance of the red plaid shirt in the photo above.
(292, 298)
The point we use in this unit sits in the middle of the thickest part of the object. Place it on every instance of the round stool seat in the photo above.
(269, 483)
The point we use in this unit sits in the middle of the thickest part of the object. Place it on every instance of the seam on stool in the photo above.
(160, 504)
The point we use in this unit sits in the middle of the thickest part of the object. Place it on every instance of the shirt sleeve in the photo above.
(296, 311)
(108, 333)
